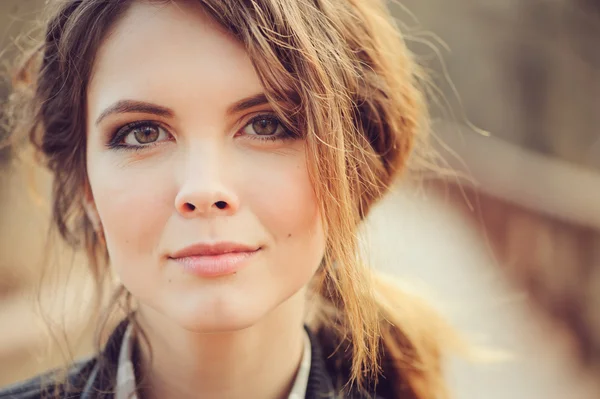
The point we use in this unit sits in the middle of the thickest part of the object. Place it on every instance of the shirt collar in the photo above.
(126, 384)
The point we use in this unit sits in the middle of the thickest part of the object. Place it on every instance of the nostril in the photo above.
(189, 207)
(221, 204)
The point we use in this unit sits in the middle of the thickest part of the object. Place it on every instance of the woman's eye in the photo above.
(266, 126)
(140, 134)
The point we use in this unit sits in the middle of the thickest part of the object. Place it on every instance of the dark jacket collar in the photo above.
(95, 378)
(319, 384)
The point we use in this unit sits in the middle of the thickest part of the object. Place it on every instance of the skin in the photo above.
(238, 335)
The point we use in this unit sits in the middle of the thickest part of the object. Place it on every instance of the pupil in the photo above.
(146, 135)
(265, 126)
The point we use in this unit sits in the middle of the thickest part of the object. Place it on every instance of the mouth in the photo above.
(214, 260)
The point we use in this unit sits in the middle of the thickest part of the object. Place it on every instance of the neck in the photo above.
(260, 361)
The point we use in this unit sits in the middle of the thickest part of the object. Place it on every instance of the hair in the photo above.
(354, 91)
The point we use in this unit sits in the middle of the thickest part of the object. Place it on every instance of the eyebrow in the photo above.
(131, 106)
(247, 103)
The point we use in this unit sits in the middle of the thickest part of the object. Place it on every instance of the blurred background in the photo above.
(507, 247)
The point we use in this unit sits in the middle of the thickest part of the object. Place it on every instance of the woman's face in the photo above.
(187, 162)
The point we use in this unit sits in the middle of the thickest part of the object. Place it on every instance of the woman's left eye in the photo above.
(266, 127)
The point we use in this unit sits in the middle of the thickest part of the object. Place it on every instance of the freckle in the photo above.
(169, 280)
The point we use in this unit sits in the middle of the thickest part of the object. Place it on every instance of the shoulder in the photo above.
(92, 377)
(47, 385)
(330, 371)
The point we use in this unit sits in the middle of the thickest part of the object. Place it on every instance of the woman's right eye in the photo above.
(139, 134)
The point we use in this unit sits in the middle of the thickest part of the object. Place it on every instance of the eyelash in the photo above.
(123, 131)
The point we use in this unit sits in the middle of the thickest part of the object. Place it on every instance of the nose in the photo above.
(204, 191)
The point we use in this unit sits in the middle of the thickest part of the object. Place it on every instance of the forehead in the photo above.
(167, 52)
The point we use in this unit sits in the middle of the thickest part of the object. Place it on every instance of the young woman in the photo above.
(218, 157)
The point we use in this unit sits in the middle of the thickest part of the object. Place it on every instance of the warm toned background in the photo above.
(511, 254)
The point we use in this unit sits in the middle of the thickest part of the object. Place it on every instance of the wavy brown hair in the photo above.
(353, 89)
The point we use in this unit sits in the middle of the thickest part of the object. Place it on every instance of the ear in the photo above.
(89, 207)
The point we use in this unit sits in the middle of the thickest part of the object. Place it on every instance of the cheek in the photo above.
(133, 205)
(283, 199)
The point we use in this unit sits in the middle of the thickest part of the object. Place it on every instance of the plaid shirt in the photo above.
(126, 385)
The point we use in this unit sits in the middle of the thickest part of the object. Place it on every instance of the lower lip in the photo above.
(215, 265)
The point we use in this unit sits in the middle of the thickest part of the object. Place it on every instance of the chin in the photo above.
(225, 308)
(216, 324)
(219, 316)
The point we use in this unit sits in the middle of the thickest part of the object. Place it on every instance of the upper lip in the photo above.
(212, 249)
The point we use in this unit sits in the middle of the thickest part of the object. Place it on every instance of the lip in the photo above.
(214, 259)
